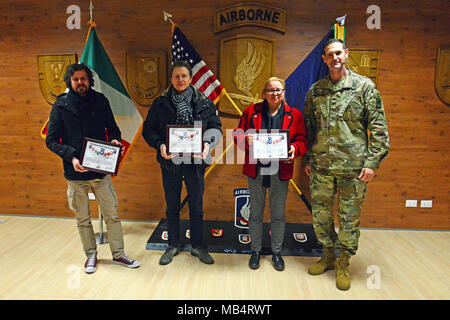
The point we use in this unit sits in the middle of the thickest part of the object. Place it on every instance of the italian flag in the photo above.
(107, 81)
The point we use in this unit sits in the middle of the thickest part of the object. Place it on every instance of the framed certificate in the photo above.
(271, 145)
(184, 139)
(100, 156)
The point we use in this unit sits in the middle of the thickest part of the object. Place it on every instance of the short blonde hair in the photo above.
(273, 79)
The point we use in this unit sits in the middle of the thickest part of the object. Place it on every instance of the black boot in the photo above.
(254, 260)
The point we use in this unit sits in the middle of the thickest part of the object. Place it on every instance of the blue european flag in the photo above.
(312, 69)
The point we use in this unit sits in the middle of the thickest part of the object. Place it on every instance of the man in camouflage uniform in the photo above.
(348, 140)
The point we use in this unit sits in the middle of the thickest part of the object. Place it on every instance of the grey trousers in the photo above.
(277, 201)
(77, 196)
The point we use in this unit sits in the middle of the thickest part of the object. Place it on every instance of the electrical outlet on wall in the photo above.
(426, 204)
(411, 204)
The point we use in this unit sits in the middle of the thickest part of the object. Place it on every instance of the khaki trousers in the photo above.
(77, 194)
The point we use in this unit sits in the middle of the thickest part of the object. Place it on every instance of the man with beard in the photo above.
(77, 114)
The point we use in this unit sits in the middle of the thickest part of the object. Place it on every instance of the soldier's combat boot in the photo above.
(342, 274)
(327, 262)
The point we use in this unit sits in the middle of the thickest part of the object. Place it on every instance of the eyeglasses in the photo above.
(82, 79)
(274, 91)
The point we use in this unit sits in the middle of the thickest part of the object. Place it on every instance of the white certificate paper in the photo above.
(100, 156)
(185, 139)
(271, 145)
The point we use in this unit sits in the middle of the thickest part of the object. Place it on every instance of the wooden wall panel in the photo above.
(416, 168)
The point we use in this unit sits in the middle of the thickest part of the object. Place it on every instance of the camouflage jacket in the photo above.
(346, 124)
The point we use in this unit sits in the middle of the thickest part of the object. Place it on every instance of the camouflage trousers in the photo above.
(350, 191)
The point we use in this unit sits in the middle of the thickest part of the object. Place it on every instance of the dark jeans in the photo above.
(172, 182)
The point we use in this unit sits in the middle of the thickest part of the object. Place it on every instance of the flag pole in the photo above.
(168, 16)
(100, 237)
(91, 22)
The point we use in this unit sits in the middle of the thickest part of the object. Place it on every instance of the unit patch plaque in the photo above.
(364, 62)
(246, 62)
(442, 75)
(146, 75)
(51, 70)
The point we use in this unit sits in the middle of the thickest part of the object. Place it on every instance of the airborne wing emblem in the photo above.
(247, 71)
(246, 62)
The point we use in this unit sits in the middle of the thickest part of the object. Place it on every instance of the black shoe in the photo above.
(168, 255)
(254, 260)
(278, 262)
(203, 255)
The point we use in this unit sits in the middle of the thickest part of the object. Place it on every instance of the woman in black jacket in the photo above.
(182, 104)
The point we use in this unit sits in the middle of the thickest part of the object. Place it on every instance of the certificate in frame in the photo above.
(184, 139)
(269, 145)
(100, 156)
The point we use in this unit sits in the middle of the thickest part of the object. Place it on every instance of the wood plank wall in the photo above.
(411, 31)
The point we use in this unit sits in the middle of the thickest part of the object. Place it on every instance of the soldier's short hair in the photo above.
(330, 41)
(179, 64)
(72, 68)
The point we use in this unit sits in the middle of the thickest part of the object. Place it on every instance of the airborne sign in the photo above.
(250, 14)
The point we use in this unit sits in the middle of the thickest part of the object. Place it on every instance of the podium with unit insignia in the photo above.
(225, 237)
(233, 236)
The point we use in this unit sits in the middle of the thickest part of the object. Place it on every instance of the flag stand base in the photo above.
(101, 237)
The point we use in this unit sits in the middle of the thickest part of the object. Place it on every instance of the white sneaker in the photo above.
(127, 262)
(91, 264)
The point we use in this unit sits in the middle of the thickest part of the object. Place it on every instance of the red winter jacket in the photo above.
(293, 121)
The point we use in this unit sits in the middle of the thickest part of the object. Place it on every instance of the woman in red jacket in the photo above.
(273, 113)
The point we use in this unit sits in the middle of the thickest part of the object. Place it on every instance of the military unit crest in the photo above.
(51, 70)
(216, 232)
(300, 237)
(442, 75)
(244, 238)
(246, 61)
(146, 75)
(241, 207)
(364, 62)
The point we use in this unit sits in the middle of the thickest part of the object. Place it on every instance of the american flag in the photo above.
(202, 77)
